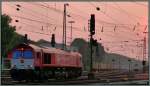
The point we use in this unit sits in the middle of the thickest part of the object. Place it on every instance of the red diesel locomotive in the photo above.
(31, 62)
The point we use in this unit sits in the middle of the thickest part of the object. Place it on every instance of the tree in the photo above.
(84, 49)
(9, 38)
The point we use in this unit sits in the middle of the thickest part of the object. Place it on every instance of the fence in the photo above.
(5, 63)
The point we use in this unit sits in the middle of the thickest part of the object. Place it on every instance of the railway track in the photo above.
(101, 79)
(81, 80)
(9, 81)
(74, 82)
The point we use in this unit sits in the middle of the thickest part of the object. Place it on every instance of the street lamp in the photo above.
(119, 65)
(71, 30)
(16, 20)
(97, 8)
(113, 60)
(18, 7)
(64, 26)
(129, 60)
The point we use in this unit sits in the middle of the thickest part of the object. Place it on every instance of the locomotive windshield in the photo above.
(17, 54)
(27, 54)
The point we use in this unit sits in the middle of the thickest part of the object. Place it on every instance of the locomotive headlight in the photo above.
(30, 66)
(13, 66)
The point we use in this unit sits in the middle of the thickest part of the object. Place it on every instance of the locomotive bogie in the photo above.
(22, 74)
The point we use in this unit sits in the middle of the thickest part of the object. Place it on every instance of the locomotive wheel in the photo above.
(58, 76)
(42, 75)
(45, 77)
(30, 75)
(66, 75)
(37, 75)
(14, 74)
(21, 75)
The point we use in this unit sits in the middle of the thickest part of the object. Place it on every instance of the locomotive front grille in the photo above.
(21, 60)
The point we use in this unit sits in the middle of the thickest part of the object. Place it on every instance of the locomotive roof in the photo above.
(51, 50)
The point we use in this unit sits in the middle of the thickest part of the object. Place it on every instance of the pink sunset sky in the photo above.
(116, 22)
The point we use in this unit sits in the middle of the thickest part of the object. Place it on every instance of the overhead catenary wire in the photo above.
(141, 4)
(135, 16)
(124, 12)
(115, 20)
(38, 21)
(47, 18)
(31, 12)
(112, 18)
(115, 25)
(56, 24)
(32, 31)
(86, 19)
(121, 24)
(130, 37)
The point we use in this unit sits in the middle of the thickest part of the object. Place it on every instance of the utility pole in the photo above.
(92, 42)
(71, 30)
(144, 54)
(144, 51)
(113, 62)
(119, 65)
(64, 27)
(91, 49)
(53, 40)
(129, 60)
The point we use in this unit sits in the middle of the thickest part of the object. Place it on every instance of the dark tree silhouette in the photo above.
(9, 38)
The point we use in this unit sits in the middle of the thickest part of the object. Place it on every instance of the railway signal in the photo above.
(25, 39)
(92, 24)
(144, 66)
(92, 42)
(53, 40)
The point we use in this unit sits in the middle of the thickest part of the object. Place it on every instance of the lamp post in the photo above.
(129, 60)
(71, 30)
(113, 61)
(119, 65)
(64, 26)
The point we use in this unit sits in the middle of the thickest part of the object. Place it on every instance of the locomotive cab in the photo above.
(22, 57)
(22, 60)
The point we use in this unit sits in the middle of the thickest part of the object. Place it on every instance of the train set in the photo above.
(32, 62)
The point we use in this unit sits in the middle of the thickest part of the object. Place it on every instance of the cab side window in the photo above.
(17, 54)
(47, 58)
(38, 55)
